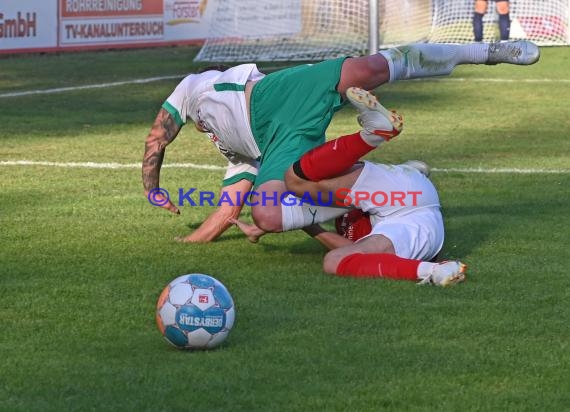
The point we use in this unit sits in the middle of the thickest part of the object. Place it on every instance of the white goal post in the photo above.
(289, 30)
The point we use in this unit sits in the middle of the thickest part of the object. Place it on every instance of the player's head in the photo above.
(353, 225)
(200, 128)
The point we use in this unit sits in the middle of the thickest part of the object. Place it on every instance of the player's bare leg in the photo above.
(372, 244)
(267, 215)
(287, 212)
(504, 19)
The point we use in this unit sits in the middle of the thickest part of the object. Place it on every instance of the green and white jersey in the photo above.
(215, 101)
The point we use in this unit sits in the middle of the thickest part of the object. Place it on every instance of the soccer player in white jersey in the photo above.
(263, 124)
(399, 224)
(391, 239)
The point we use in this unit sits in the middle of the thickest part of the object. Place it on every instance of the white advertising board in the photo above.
(28, 24)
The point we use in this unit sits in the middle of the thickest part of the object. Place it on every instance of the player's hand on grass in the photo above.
(188, 239)
(170, 206)
(251, 231)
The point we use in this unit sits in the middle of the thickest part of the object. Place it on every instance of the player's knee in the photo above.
(332, 260)
(267, 218)
(367, 72)
(502, 7)
(480, 6)
(376, 65)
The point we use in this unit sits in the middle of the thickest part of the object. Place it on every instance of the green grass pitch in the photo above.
(83, 256)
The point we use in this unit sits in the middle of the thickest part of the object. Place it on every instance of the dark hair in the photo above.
(217, 67)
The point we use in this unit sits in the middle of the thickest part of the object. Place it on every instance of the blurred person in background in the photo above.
(504, 18)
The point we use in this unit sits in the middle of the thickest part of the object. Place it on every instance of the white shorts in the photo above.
(417, 235)
(416, 227)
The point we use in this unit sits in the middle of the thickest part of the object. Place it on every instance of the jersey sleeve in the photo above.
(174, 104)
(182, 104)
(244, 169)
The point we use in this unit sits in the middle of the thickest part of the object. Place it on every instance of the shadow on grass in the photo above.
(468, 227)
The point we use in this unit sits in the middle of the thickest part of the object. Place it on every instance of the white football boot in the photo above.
(446, 273)
(521, 52)
(420, 166)
(374, 118)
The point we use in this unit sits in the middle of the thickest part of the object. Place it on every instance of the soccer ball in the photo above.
(195, 311)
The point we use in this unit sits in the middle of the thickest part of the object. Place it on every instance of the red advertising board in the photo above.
(95, 22)
(110, 8)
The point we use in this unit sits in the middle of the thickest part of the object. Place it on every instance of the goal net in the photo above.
(545, 22)
(287, 30)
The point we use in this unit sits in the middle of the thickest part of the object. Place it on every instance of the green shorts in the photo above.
(290, 111)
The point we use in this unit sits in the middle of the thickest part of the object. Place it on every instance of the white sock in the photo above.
(425, 269)
(426, 60)
(369, 137)
(297, 217)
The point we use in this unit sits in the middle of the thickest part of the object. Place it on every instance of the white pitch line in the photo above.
(179, 76)
(90, 86)
(491, 80)
(501, 170)
(94, 165)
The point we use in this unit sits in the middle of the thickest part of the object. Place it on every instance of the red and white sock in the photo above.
(383, 265)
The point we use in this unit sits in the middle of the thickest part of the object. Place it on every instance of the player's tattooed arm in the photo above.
(163, 132)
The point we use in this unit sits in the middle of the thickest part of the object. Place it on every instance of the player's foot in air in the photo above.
(420, 166)
(446, 273)
(521, 52)
(373, 117)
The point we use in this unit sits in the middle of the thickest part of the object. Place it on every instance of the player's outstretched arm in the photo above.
(163, 132)
(222, 218)
(330, 240)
